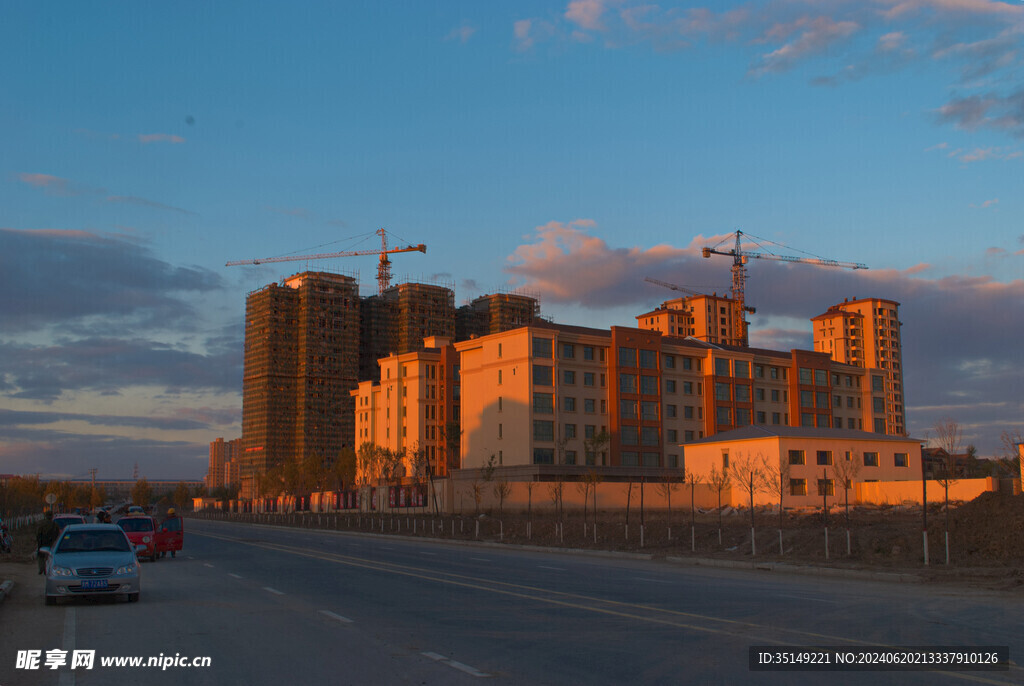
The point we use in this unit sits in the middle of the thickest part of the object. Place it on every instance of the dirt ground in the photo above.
(986, 535)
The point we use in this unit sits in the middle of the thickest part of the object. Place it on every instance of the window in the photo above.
(870, 459)
(570, 457)
(670, 411)
(588, 352)
(742, 393)
(627, 357)
(796, 457)
(742, 368)
(589, 405)
(725, 460)
(499, 350)
(629, 435)
(589, 430)
(499, 430)
(627, 409)
(688, 412)
(568, 351)
(570, 431)
(721, 367)
(649, 411)
(877, 384)
(901, 459)
(776, 418)
(826, 487)
(588, 378)
(649, 435)
(774, 372)
(568, 377)
(798, 486)
(543, 403)
(879, 426)
(824, 457)
(630, 459)
(672, 461)
(821, 398)
(806, 398)
(805, 376)
(673, 436)
(669, 361)
(722, 391)
(758, 371)
(723, 415)
(543, 456)
(543, 430)
(499, 378)
(648, 359)
(542, 347)
(759, 394)
(670, 385)
(806, 419)
(649, 385)
(820, 377)
(652, 460)
(542, 375)
(742, 416)
(878, 405)
(775, 395)
(627, 383)
(569, 404)
(762, 418)
(687, 363)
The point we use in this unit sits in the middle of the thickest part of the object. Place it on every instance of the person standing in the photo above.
(46, 536)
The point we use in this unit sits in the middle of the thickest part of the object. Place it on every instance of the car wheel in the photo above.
(133, 597)
(51, 600)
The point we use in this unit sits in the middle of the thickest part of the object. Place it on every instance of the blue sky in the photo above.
(566, 148)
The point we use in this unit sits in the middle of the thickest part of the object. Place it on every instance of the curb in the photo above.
(809, 570)
(5, 589)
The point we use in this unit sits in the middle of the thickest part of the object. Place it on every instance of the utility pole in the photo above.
(92, 498)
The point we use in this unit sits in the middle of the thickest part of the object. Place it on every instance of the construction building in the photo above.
(301, 361)
(495, 313)
(225, 459)
(709, 318)
(866, 333)
(398, 319)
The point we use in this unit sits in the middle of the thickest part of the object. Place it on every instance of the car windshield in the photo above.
(92, 541)
(140, 524)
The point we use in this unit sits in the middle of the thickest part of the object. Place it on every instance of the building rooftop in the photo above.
(753, 432)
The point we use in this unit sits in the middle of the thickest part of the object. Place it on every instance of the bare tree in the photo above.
(594, 479)
(845, 471)
(775, 473)
(555, 490)
(665, 489)
(948, 436)
(720, 481)
(746, 470)
(529, 507)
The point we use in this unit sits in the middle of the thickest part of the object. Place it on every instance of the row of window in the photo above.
(824, 458)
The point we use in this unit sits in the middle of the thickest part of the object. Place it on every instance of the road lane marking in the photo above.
(457, 665)
(424, 552)
(813, 600)
(268, 589)
(653, 581)
(236, 576)
(480, 559)
(207, 564)
(330, 614)
(67, 678)
(737, 629)
(556, 569)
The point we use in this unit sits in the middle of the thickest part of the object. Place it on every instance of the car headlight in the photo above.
(126, 569)
(61, 571)
(145, 539)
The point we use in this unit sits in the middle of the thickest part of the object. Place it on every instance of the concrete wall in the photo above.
(899, 492)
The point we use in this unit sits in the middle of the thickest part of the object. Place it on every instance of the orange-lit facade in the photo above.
(539, 394)
(866, 333)
(413, 405)
(225, 459)
(709, 318)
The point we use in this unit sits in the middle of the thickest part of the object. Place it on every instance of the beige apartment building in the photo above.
(709, 318)
(866, 333)
(542, 394)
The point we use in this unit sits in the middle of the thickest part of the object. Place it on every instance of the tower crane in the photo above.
(739, 272)
(383, 267)
(682, 289)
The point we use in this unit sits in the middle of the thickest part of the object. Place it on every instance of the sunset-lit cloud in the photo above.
(461, 33)
(145, 202)
(55, 185)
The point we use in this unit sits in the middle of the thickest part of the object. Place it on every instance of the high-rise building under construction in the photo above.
(397, 321)
(301, 361)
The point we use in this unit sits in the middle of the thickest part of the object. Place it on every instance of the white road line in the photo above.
(268, 589)
(557, 569)
(480, 559)
(652, 581)
(457, 665)
(67, 677)
(330, 614)
(236, 576)
(424, 552)
(815, 600)
(207, 564)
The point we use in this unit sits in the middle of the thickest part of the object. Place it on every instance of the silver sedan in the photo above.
(92, 560)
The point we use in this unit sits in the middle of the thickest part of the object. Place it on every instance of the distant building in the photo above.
(225, 460)
(866, 333)
(397, 321)
(709, 318)
(495, 313)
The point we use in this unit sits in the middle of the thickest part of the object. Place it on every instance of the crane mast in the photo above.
(740, 257)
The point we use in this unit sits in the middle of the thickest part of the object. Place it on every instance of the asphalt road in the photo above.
(271, 605)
